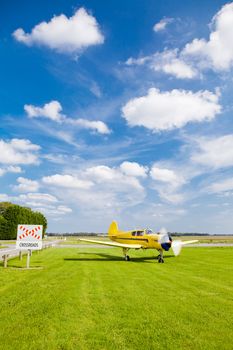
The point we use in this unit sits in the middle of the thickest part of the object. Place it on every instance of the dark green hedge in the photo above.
(12, 215)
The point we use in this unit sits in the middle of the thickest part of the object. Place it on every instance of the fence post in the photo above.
(5, 259)
(20, 255)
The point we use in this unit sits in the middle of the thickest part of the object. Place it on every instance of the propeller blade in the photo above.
(176, 247)
(163, 231)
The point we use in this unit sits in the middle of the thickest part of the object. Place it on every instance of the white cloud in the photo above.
(221, 186)
(63, 209)
(171, 109)
(170, 196)
(64, 34)
(167, 183)
(217, 52)
(10, 169)
(51, 110)
(42, 202)
(170, 63)
(97, 126)
(18, 151)
(4, 197)
(133, 169)
(162, 24)
(113, 177)
(215, 152)
(66, 181)
(38, 197)
(26, 185)
(167, 176)
(137, 61)
(24, 145)
(98, 188)
(13, 169)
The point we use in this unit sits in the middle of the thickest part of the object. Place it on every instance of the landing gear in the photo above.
(126, 257)
(160, 258)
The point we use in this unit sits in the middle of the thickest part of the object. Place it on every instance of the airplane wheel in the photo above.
(127, 258)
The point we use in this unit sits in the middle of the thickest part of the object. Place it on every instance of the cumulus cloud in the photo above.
(113, 176)
(38, 197)
(133, 169)
(18, 151)
(216, 52)
(168, 62)
(51, 110)
(10, 169)
(66, 181)
(214, 152)
(26, 185)
(64, 34)
(171, 109)
(99, 188)
(162, 24)
(167, 176)
(168, 182)
(42, 202)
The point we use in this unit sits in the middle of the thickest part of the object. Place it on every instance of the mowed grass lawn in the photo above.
(92, 299)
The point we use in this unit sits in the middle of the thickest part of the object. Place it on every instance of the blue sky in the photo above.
(118, 110)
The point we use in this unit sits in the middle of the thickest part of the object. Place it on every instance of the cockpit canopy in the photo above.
(138, 233)
(148, 231)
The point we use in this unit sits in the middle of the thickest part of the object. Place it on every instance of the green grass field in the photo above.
(92, 299)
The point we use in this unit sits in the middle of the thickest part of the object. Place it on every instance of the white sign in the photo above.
(29, 237)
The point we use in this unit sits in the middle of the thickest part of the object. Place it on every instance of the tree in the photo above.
(4, 206)
(13, 215)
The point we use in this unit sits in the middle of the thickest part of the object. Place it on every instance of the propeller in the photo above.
(163, 235)
(176, 247)
(164, 238)
(163, 231)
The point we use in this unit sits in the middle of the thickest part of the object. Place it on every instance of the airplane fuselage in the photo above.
(150, 241)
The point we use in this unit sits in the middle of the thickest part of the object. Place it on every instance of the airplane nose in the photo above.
(166, 246)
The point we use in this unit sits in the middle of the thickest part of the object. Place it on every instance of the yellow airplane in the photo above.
(141, 239)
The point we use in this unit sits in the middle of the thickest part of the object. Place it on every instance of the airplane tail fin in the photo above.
(113, 229)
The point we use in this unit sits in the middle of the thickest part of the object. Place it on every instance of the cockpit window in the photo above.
(148, 231)
(138, 233)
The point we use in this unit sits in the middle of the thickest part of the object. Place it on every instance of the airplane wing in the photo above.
(113, 244)
(189, 242)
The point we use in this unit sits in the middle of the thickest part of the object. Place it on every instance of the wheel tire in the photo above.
(127, 258)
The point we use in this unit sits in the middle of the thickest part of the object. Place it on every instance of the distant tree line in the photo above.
(73, 234)
(11, 215)
(189, 234)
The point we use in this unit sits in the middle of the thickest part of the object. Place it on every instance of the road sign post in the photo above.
(28, 258)
(29, 237)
